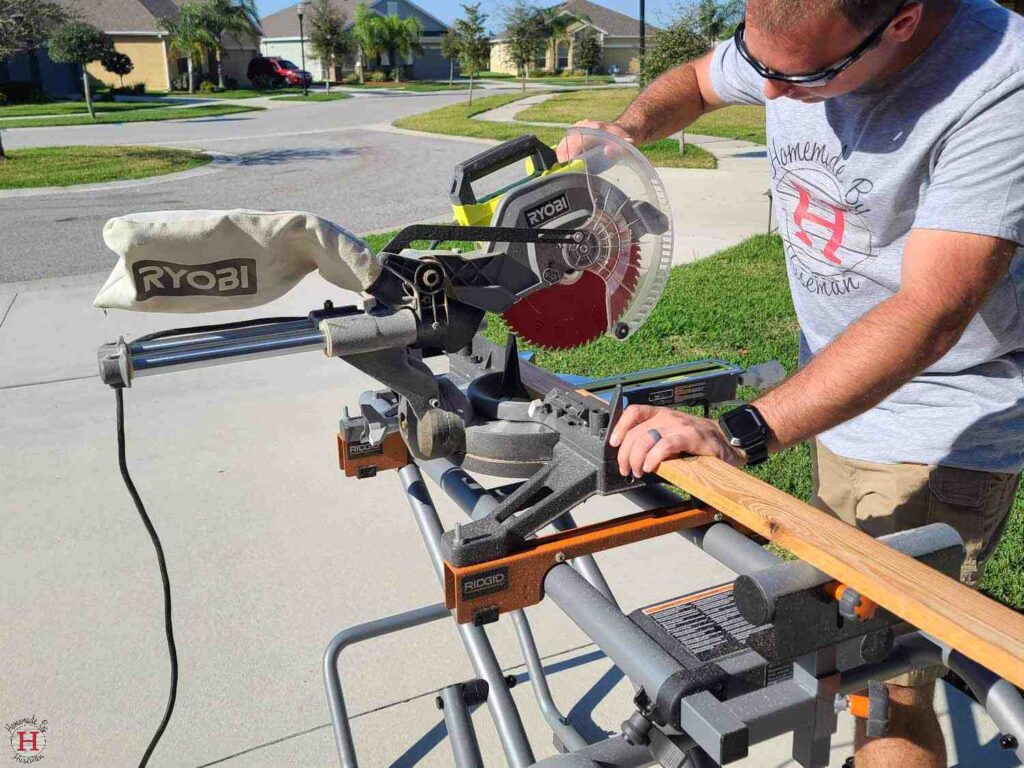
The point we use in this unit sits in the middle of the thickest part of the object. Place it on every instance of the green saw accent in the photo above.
(481, 213)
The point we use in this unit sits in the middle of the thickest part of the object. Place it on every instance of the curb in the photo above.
(220, 161)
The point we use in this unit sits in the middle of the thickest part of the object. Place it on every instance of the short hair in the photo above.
(777, 15)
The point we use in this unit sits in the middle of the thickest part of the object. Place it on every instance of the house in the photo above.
(617, 33)
(281, 38)
(35, 70)
(136, 30)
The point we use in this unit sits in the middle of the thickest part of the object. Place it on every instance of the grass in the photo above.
(314, 97)
(146, 115)
(456, 120)
(76, 107)
(414, 86)
(745, 123)
(234, 94)
(735, 306)
(63, 166)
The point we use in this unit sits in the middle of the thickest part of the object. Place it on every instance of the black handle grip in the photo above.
(494, 159)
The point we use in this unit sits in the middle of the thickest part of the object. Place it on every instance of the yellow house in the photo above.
(617, 34)
(136, 30)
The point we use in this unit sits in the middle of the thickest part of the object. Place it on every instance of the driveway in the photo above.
(340, 160)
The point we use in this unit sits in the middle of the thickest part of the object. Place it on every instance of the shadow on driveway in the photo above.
(284, 155)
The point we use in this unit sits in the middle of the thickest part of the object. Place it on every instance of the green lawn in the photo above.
(735, 306)
(413, 86)
(76, 107)
(314, 97)
(63, 166)
(456, 119)
(732, 122)
(236, 93)
(145, 115)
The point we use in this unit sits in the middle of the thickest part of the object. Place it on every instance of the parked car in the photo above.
(272, 72)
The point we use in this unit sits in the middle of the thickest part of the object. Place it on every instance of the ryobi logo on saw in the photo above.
(494, 580)
(230, 277)
(556, 206)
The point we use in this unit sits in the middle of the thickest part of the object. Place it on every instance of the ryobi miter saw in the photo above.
(573, 251)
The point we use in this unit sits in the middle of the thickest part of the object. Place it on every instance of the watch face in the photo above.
(743, 424)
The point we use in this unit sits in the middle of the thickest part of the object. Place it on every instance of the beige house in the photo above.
(617, 33)
(135, 28)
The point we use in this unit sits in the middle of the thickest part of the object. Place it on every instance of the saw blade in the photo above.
(581, 309)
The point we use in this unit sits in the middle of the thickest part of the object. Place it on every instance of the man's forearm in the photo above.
(869, 361)
(666, 106)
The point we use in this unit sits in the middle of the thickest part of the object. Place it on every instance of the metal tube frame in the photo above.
(582, 593)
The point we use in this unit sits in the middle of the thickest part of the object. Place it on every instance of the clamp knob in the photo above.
(873, 708)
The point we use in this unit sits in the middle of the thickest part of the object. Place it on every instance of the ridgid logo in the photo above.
(547, 211)
(230, 277)
(28, 739)
(485, 583)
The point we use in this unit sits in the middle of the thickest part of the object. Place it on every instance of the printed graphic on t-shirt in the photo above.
(821, 218)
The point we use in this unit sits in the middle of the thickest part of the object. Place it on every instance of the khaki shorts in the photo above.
(885, 498)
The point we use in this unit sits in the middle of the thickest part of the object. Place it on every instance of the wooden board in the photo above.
(977, 626)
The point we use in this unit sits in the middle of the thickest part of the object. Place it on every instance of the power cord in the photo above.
(172, 650)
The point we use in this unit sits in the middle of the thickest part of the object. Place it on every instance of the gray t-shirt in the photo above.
(941, 146)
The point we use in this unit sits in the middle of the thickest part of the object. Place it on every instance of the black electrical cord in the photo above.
(172, 651)
(218, 327)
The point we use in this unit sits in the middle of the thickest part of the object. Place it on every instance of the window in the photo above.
(563, 56)
(540, 59)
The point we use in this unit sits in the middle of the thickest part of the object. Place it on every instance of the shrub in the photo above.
(207, 86)
(3, 98)
(230, 83)
(23, 92)
(377, 76)
(352, 78)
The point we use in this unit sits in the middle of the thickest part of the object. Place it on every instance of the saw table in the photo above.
(579, 250)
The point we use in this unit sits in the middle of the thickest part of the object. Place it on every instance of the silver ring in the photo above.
(655, 435)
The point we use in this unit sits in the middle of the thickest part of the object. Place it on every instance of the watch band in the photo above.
(754, 444)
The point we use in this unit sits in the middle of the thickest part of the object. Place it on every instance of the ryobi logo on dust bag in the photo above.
(230, 277)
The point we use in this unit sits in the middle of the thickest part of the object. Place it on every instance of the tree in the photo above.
(475, 51)
(715, 19)
(450, 49)
(191, 38)
(24, 26)
(588, 52)
(327, 37)
(679, 42)
(78, 43)
(556, 22)
(368, 36)
(525, 33)
(400, 37)
(238, 18)
(117, 63)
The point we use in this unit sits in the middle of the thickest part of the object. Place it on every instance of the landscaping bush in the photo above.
(23, 92)
(3, 98)
(135, 89)
(349, 79)
(230, 83)
(207, 86)
(376, 76)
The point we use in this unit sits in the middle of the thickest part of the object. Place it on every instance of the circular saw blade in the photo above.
(580, 310)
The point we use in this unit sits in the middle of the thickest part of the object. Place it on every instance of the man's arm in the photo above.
(946, 277)
(666, 106)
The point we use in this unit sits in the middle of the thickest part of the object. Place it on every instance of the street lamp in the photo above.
(302, 45)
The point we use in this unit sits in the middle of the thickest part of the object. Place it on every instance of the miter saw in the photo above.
(573, 251)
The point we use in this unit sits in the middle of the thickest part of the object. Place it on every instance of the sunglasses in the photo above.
(822, 77)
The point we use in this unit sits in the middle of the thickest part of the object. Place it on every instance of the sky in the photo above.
(448, 10)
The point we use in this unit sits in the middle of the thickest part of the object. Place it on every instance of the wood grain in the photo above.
(977, 626)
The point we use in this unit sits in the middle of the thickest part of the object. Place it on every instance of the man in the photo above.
(896, 147)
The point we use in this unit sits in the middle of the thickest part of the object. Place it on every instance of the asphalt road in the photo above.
(336, 159)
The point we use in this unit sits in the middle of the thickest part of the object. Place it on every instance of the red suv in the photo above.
(272, 72)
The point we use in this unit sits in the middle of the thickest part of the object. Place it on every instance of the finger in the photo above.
(639, 433)
(668, 447)
(632, 416)
(569, 147)
(647, 438)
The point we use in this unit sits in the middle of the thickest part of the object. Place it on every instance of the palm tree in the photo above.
(556, 21)
(368, 35)
(238, 18)
(400, 37)
(190, 37)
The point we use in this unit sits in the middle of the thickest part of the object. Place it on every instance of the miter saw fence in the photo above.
(613, 277)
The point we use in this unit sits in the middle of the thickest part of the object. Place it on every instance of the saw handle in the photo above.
(494, 159)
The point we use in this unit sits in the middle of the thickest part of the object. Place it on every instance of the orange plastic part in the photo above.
(364, 460)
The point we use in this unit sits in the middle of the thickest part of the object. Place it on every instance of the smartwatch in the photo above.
(745, 429)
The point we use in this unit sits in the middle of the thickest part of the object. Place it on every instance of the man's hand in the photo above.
(574, 144)
(640, 453)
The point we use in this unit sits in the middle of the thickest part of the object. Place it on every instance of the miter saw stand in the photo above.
(782, 649)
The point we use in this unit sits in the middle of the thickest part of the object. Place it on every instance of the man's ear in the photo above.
(906, 22)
